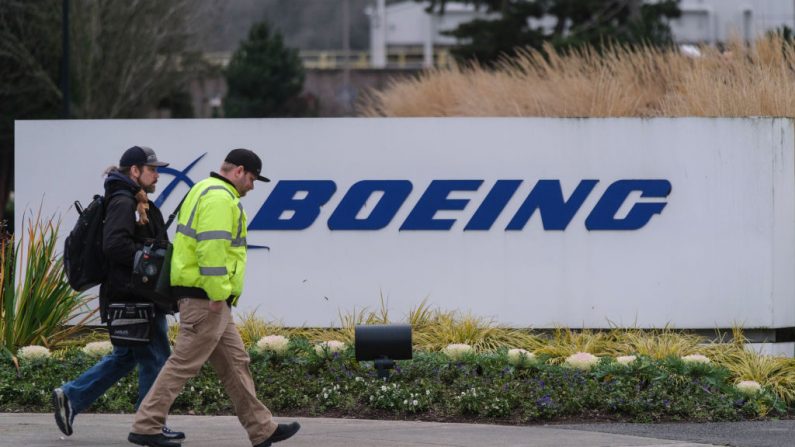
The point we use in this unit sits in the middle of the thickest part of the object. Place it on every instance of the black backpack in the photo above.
(84, 261)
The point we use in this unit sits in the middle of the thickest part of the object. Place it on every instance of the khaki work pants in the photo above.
(206, 335)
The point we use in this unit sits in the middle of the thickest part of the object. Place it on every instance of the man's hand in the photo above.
(217, 306)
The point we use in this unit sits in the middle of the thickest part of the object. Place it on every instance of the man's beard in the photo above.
(240, 189)
(149, 189)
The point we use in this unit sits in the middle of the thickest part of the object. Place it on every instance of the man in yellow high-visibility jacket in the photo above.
(207, 269)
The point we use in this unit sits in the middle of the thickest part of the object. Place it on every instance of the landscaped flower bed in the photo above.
(302, 378)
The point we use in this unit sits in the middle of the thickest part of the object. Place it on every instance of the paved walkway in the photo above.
(108, 430)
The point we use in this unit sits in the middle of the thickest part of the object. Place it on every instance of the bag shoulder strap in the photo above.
(161, 234)
(173, 215)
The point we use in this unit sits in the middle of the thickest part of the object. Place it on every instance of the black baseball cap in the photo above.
(248, 159)
(140, 155)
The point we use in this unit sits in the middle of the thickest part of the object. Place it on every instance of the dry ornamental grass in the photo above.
(741, 80)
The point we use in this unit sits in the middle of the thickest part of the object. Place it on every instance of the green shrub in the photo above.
(479, 387)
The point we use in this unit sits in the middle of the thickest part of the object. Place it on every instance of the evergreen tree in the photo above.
(264, 78)
(575, 23)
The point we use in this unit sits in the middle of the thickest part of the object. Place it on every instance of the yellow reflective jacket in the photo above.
(210, 244)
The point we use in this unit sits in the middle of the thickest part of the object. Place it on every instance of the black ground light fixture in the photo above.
(383, 343)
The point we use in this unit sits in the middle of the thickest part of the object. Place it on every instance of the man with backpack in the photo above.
(130, 219)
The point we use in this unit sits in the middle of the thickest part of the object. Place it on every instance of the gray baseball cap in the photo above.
(140, 155)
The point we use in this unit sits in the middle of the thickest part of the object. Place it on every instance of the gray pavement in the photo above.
(745, 434)
(108, 430)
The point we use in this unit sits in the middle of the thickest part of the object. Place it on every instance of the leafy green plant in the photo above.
(38, 311)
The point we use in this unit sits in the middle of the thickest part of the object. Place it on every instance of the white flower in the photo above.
(326, 348)
(749, 387)
(695, 358)
(582, 360)
(457, 351)
(274, 343)
(520, 357)
(98, 348)
(33, 352)
(414, 402)
(626, 359)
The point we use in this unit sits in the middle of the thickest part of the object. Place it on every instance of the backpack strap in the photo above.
(119, 192)
(122, 192)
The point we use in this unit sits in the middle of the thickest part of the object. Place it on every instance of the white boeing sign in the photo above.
(534, 222)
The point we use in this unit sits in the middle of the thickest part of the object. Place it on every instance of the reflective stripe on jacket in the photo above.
(210, 243)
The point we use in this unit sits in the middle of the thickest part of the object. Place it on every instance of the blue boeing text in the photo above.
(296, 204)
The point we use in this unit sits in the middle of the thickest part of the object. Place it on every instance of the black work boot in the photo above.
(283, 431)
(157, 440)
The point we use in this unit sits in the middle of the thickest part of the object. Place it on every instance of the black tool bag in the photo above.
(151, 275)
(131, 324)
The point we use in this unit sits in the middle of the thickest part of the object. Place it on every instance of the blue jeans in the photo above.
(92, 384)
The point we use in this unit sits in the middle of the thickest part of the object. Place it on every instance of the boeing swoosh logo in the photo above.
(179, 177)
(182, 177)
